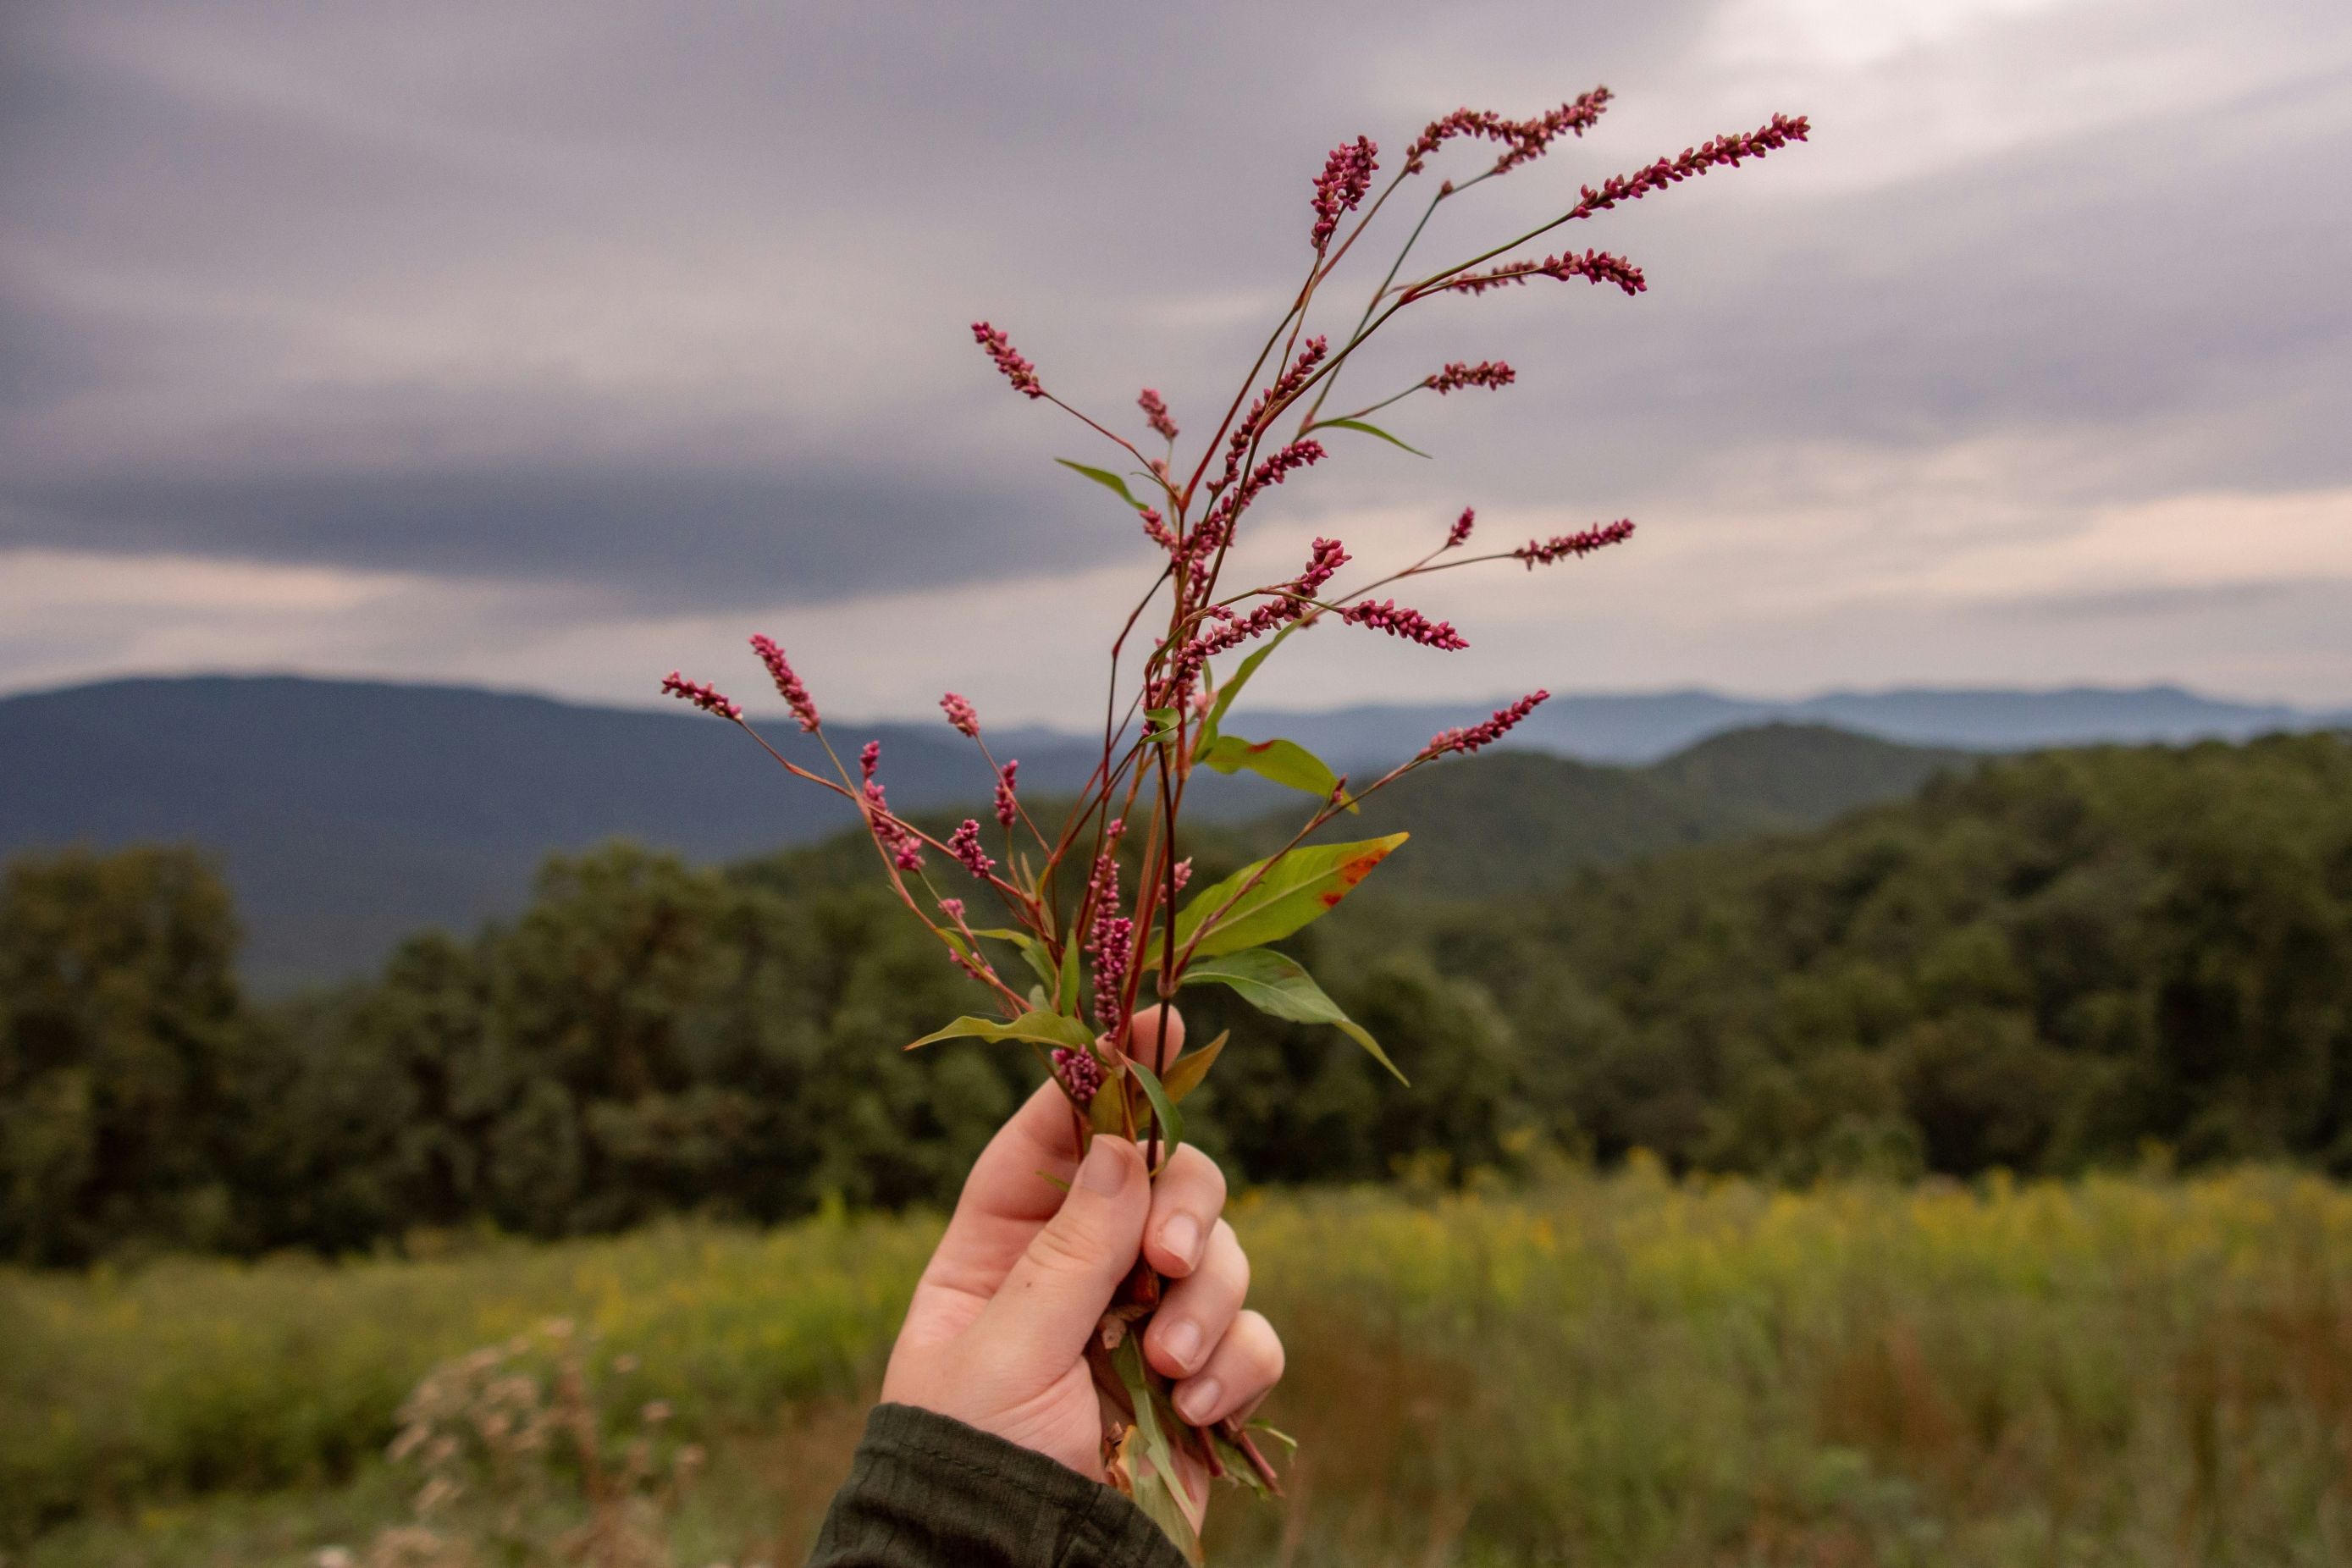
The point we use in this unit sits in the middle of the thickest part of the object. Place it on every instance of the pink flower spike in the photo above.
(965, 847)
(1459, 535)
(1347, 175)
(960, 715)
(1486, 732)
(1487, 372)
(869, 757)
(1543, 552)
(1155, 414)
(952, 909)
(705, 697)
(1007, 807)
(1018, 371)
(1184, 872)
(1524, 138)
(1079, 1073)
(1593, 267)
(1388, 616)
(788, 685)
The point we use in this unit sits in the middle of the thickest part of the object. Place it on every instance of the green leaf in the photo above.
(1157, 1499)
(1065, 989)
(1109, 480)
(1369, 430)
(1172, 1121)
(1232, 687)
(1191, 1068)
(1279, 986)
(1301, 884)
(1284, 762)
(1238, 1468)
(1285, 1438)
(1045, 1028)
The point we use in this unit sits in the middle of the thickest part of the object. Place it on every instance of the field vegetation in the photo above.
(1622, 1369)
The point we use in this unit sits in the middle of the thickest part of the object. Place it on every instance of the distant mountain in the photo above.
(1505, 821)
(350, 813)
(1644, 727)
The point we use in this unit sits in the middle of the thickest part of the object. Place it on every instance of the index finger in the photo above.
(1007, 1196)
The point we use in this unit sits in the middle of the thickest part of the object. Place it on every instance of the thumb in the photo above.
(1052, 1299)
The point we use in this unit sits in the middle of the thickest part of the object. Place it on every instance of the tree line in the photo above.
(2053, 961)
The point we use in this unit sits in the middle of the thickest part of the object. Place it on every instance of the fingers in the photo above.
(1053, 1295)
(1008, 1195)
(1242, 1370)
(1199, 1310)
(1185, 1202)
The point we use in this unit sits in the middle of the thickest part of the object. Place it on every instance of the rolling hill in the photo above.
(348, 813)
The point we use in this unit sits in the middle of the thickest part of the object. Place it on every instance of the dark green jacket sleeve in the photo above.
(927, 1491)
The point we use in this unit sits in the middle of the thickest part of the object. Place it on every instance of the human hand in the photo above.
(996, 1333)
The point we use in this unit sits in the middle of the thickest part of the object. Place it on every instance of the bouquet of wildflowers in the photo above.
(1071, 954)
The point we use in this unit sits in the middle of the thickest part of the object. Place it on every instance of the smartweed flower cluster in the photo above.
(1077, 953)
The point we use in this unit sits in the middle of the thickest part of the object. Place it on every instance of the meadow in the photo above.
(1619, 1369)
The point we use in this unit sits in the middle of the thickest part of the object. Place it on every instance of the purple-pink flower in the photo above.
(960, 715)
(1489, 373)
(1007, 807)
(1486, 731)
(1108, 938)
(1079, 1073)
(1347, 175)
(965, 846)
(788, 685)
(1543, 552)
(1593, 267)
(1523, 138)
(1155, 414)
(1388, 616)
(1459, 535)
(705, 697)
(1018, 371)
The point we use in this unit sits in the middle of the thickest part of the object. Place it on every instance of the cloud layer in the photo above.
(553, 345)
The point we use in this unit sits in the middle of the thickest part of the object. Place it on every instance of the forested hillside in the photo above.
(2044, 964)
(347, 813)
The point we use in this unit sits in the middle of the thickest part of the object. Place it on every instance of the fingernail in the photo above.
(1105, 1170)
(1182, 1342)
(1197, 1400)
(1182, 1235)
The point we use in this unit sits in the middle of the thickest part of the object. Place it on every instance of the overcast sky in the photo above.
(552, 346)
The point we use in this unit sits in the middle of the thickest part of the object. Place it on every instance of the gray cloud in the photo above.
(671, 304)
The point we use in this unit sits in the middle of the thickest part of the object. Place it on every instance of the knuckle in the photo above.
(1233, 1258)
(1065, 1247)
(1265, 1346)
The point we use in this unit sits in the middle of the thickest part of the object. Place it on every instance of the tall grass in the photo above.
(1623, 1370)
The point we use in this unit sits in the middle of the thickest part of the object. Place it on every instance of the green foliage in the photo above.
(1286, 762)
(1264, 901)
(2043, 965)
(2039, 965)
(121, 1055)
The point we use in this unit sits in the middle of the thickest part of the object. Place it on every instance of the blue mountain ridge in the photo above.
(348, 813)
